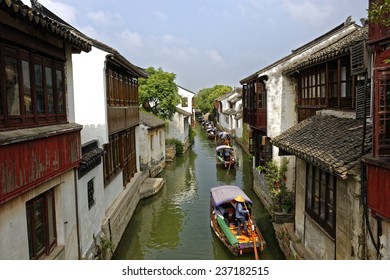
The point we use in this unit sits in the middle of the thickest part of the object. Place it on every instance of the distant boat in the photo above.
(211, 133)
(225, 156)
(222, 221)
(224, 138)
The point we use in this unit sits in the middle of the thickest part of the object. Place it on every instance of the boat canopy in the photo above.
(226, 193)
(223, 147)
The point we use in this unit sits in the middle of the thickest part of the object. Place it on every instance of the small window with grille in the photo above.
(91, 193)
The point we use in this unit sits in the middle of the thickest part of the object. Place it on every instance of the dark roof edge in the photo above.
(304, 47)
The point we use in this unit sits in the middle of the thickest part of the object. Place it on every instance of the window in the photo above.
(313, 86)
(384, 111)
(122, 90)
(91, 193)
(32, 92)
(321, 197)
(151, 142)
(262, 103)
(184, 102)
(120, 155)
(42, 236)
(160, 138)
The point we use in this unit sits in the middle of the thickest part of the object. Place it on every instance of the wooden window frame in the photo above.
(120, 156)
(383, 112)
(320, 198)
(52, 90)
(48, 225)
(122, 89)
(327, 85)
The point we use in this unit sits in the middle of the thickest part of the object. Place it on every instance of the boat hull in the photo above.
(223, 222)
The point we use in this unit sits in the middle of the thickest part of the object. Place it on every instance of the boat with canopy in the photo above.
(224, 224)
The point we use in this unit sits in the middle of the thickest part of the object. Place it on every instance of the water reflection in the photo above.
(174, 224)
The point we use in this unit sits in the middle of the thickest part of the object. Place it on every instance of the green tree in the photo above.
(158, 93)
(379, 12)
(205, 98)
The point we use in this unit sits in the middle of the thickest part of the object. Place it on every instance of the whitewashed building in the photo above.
(179, 128)
(229, 112)
(151, 139)
(40, 141)
(107, 107)
(187, 102)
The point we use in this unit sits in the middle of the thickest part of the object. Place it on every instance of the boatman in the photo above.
(240, 214)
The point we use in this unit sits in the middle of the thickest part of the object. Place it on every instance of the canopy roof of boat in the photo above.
(226, 193)
(223, 147)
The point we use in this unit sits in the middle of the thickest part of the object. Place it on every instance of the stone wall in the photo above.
(170, 152)
(119, 214)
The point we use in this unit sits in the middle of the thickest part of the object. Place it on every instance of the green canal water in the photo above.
(174, 224)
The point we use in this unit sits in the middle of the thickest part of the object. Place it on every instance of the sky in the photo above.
(206, 42)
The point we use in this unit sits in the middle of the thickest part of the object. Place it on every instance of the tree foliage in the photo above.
(205, 98)
(379, 12)
(158, 93)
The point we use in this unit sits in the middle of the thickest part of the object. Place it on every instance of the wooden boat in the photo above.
(225, 156)
(224, 138)
(211, 133)
(222, 221)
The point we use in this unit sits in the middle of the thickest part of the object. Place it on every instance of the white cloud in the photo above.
(172, 40)
(103, 18)
(132, 39)
(312, 12)
(90, 31)
(214, 56)
(64, 11)
(160, 15)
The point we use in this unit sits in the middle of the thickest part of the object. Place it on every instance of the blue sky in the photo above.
(206, 42)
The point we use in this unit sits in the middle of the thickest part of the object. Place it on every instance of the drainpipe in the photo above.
(77, 215)
(379, 233)
(363, 184)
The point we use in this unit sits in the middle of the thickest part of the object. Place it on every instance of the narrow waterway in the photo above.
(174, 224)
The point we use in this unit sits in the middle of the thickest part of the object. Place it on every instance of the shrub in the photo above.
(178, 144)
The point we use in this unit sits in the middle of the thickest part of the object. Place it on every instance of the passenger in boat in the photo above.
(227, 213)
(240, 214)
(226, 155)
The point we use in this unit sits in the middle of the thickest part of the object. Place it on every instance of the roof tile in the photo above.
(328, 142)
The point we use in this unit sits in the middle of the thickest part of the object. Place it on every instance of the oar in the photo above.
(252, 232)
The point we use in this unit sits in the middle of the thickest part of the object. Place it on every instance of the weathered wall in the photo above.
(344, 220)
(317, 242)
(119, 214)
(300, 198)
(90, 220)
(13, 221)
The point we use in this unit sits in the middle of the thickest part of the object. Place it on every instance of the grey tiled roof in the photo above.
(42, 10)
(328, 142)
(338, 48)
(229, 111)
(56, 28)
(183, 112)
(150, 120)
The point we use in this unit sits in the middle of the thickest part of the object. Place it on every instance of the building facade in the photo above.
(40, 142)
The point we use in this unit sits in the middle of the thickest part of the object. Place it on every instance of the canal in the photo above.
(174, 224)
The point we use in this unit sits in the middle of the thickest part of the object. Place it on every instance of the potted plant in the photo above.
(286, 202)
